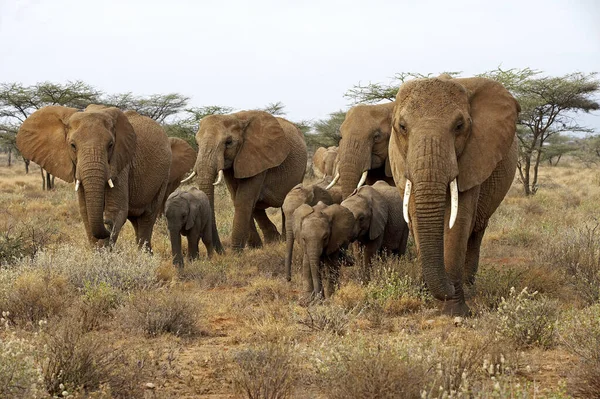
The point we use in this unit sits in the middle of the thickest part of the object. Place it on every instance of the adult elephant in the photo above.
(363, 149)
(454, 151)
(260, 157)
(119, 160)
(183, 160)
(325, 160)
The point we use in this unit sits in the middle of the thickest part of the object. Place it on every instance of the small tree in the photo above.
(156, 106)
(327, 131)
(276, 108)
(187, 126)
(548, 108)
(557, 146)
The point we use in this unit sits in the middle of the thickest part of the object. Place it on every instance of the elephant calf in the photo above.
(188, 213)
(300, 195)
(379, 225)
(323, 232)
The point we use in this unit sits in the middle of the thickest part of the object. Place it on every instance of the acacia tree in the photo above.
(557, 146)
(156, 106)
(548, 108)
(327, 131)
(187, 125)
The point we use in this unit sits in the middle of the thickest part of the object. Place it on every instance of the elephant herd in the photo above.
(437, 162)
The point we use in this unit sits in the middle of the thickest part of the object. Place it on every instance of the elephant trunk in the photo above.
(94, 177)
(176, 252)
(314, 251)
(430, 175)
(207, 168)
(355, 158)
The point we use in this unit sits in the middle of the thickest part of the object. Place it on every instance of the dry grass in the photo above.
(119, 319)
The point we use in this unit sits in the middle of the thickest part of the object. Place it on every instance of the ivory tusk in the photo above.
(189, 177)
(454, 202)
(363, 178)
(77, 185)
(407, 190)
(335, 179)
(219, 178)
(110, 183)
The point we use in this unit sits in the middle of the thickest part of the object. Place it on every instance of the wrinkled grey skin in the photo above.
(299, 195)
(323, 232)
(189, 214)
(380, 225)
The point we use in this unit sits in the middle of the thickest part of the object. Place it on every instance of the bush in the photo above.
(161, 312)
(19, 374)
(265, 372)
(334, 319)
(97, 303)
(362, 370)
(527, 319)
(580, 332)
(23, 238)
(577, 251)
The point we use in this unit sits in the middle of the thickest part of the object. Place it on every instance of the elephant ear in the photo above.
(125, 137)
(299, 214)
(388, 167)
(342, 224)
(321, 195)
(379, 211)
(183, 158)
(265, 144)
(194, 211)
(494, 116)
(42, 138)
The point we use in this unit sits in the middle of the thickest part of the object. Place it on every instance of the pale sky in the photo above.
(246, 54)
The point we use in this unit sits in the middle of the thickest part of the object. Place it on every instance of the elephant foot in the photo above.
(456, 308)
(255, 243)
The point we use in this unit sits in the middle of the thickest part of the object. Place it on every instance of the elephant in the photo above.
(260, 157)
(188, 213)
(323, 231)
(453, 153)
(119, 160)
(183, 160)
(379, 224)
(299, 195)
(363, 148)
(325, 160)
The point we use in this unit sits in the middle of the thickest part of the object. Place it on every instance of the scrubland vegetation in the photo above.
(78, 322)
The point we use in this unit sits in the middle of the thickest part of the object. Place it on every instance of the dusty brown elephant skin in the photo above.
(379, 225)
(183, 160)
(261, 158)
(188, 214)
(101, 148)
(364, 146)
(325, 160)
(453, 152)
(323, 232)
(300, 195)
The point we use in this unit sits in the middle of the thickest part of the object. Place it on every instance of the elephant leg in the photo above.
(472, 257)
(147, 220)
(266, 226)
(315, 271)
(331, 275)
(455, 248)
(116, 207)
(254, 240)
(207, 240)
(370, 250)
(246, 195)
(283, 232)
(193, 238)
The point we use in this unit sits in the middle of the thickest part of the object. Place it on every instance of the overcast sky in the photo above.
(306, 54)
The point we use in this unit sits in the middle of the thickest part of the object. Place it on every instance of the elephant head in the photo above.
(370, 212)
(448, 135)
(245, 143)
(364, 145)
(91, 147)
(322, 231)
(325, 160)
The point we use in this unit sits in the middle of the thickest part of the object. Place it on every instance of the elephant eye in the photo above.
(73, 147)
(459, 126)
(402, 128)
(229, 141)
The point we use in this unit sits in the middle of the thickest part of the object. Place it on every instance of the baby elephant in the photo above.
(323, 232)
(379, 226)
(299, 195)
(188, 213)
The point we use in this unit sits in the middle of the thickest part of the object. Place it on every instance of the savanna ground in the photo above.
(78, 322)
